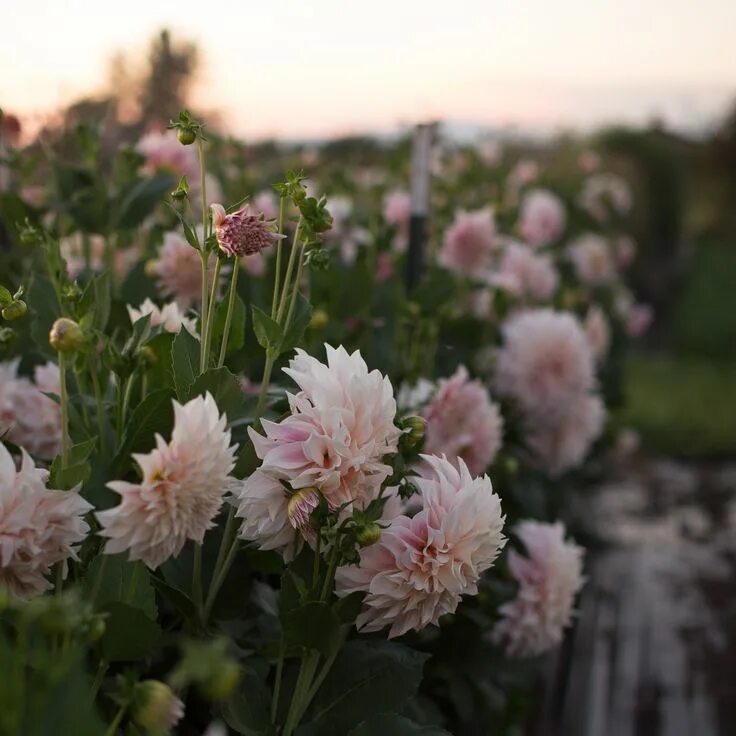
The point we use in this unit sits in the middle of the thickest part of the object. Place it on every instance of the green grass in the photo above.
(682, 406)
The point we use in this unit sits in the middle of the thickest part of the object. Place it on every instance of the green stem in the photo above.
(100, 407)
(303, 682)
(330, 576)
(203, 256)
(289, 269)
(277, 277)
(102, 668)
(126, 396)
(229, 315)
(130, 594)
(116, 721)
(59, 584)
(197, 577)
(219, 580)
(263, 394)
(211, 312)
(277, 683)
(295, 289)
(64, 399)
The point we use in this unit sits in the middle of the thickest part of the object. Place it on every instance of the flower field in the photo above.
(286, 450)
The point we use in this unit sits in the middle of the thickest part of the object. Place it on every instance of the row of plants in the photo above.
(252, 483)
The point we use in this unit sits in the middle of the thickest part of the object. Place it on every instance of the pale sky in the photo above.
(307, 68)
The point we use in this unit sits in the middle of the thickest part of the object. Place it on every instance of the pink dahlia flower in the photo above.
(542, 217)
(182, 489)
(340, 427)
(163, 151)
(545, 361)
(598, 332)
(625, 251)
(639, 319)
(463, 423)
(422, 566)
(263, 504)
(28, 417)
(469, 243)
(178, 270)
(38, 527)
(397, 212)
(170, 316)
(526, 274)
(241, 233)
(562, 441)
(549, 577)
(73, 251)
(592, 259)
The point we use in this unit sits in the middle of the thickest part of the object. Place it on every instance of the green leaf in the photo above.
(184, 361)
(300, 321)
(180, 600)
(160, 372)
(129, 635)
(366, 675)
(189, 232)
(137, 286)
(348, 608)
(236, 339)
(313, 626)
(5, 296)
(247, 709)
(114, 579)
(155, 414)
(77, 470)
(96, 301)
(225, 389)
(141, 201)
(268, 331)
(392, 724)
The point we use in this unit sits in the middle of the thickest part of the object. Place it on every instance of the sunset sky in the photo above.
(314, 68)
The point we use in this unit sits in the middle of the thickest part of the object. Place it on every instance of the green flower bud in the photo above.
(186, 136)
(28, 237)
(368, 534)
(15, 310)
(147, 355)
(221, 685)
(155, 706)
(319, 319)
(414, 430)
(511, 465)
(150, 268)
(96, 629)
(66, 336)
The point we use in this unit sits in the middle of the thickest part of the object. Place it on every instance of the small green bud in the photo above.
(186, 136)
(29, 237)
(511, 465)
(96, 629)
(72, 292)
(15, 310)
(151, 268)
(319, 319)
(414, 430)
(66, 336)
(155, 706)
(147, 355)
(221, 685)
(368, 534)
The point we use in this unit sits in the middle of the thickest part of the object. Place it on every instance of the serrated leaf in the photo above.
(268, 331)
(184, 361)
(365, 673)
(225, 389)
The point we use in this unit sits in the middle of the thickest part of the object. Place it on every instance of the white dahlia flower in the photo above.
(184, 482)
(170, 316)
(549, 577)
(422, 566)
(39, 527)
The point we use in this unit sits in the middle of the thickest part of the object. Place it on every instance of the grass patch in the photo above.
(682, 406)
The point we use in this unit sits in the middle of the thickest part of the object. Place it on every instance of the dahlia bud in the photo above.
(414, 430)
(368, 534)
(95, 629)
(511, 465)
(66, 336)
(241, 233)
(222, 682)
(155, 706)
(15, 310)
(151, 268)
(186, 136)
(300, 507)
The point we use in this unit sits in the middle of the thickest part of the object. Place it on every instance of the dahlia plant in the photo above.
(296, 499)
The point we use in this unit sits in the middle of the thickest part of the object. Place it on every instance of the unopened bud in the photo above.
(66, 336)
(414, 430)
(151, 268)
(186, 136)
(95, 629)
(156, 707)
(15, 310)
(369, 534)
(319, 319)
(511, 465)
(221, 685)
